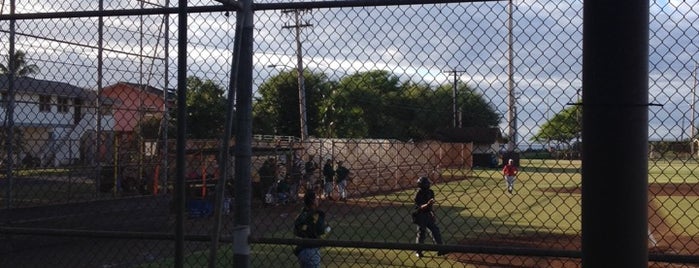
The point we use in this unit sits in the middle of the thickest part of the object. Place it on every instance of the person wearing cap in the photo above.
(510, 172)
(423, 215)
(342, 176)
(328, 176)
(310, 223)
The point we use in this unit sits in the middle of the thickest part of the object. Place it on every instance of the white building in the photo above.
(56, 121)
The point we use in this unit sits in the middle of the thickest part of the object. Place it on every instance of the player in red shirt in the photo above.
(510, 172)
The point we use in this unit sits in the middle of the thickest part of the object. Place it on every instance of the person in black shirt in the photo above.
(424, 216)
(342, 176)
(310, 223)
(328, 175)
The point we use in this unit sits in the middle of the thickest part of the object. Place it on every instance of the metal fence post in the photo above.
(615, 134)
(181, 130)
(243, 141)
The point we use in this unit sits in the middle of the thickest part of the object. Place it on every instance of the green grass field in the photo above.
(475, 208)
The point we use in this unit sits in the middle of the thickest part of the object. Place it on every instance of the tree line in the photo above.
(371, 104)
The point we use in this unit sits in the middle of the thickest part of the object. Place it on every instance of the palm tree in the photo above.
(22, 68)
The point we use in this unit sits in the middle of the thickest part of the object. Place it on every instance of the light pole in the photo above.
(302, 99)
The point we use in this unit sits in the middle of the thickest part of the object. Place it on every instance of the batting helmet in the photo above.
(423, 182)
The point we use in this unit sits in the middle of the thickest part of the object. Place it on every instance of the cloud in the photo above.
(416, 42)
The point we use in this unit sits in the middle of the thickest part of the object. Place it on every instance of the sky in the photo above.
(416, 43)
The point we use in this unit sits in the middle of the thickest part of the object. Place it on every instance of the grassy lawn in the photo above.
(477, 208)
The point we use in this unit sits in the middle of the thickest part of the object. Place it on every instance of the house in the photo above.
(56, 121)
(134, 103)
(486, 142)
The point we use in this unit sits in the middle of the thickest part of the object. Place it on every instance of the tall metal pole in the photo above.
(10, 110)
(98, 103)
(692, 126)
(299, 68)
(181, 130)
(166, 97)
(224, 153)
(615, 134)
(243, 139)
(453, 97)
(511, 115)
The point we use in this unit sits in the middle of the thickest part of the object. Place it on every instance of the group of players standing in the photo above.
(279, 186)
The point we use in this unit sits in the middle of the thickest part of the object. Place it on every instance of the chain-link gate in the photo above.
(445, 90)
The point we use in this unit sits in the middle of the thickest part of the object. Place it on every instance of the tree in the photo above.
(276, 108)
(373, 98)
(18, 144)
(372, 104)
(22, 67)
(564, 127)
(206, 109)
(475, 111)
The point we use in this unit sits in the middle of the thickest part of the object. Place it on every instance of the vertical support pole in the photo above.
(453, 98)
(511, 99)
(98, 103)
(224, 154)
(243, 139)
(10, 111)
(615, 134)
(166, 102)
(181, 130)
(692, 126)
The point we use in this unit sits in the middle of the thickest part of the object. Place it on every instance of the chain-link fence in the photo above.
(98, 170)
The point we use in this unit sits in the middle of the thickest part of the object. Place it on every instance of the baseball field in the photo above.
(475, 209)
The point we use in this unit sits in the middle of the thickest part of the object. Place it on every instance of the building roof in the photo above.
(478, 135)
(45, 87)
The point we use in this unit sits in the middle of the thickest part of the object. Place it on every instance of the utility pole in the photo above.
(692, 126)
(456, 122)
(511, 115)
(296, 14)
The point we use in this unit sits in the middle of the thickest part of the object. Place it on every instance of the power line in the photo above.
(79, 44)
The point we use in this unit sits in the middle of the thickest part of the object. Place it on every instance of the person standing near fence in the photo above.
(510, 172)
(310, 177)
(423, 215)
(328, 176)
(282, 191)
(342, 174)
(268, 175)
(310, 223)
(296, 175)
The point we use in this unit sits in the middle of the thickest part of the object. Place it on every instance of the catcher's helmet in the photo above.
(423, 182)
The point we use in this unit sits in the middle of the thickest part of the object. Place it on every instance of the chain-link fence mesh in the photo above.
(448, 91)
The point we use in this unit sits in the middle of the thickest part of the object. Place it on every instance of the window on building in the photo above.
(63, 105)
(105, 110)
(44, 103)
